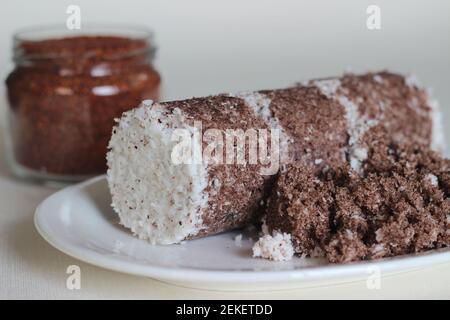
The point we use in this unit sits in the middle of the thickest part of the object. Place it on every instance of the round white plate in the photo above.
(79, 221)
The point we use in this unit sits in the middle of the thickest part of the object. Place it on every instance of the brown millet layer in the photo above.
(400, 205)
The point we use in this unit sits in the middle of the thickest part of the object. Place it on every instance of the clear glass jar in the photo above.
(66, 90)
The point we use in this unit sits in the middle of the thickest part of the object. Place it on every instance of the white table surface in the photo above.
(208, 47)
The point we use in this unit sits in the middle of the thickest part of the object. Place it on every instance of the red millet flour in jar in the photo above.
(64, 95)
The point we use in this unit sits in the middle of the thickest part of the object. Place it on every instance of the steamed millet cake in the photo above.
(400, 204)
(322, 123)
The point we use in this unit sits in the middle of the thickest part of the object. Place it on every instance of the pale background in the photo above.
(210, 46)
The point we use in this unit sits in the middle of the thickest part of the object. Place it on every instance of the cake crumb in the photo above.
(377, 78)
(277, 247)
(412, 81)
(432, 179)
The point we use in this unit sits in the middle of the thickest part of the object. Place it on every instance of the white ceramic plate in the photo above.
(79, 221)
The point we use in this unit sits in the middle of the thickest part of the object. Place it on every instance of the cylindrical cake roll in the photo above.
(322, 123)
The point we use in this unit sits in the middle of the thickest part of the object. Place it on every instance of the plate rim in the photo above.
(339, 272)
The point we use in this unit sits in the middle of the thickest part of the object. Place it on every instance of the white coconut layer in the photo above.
(260, 105)
(158, 200)
(357, 124)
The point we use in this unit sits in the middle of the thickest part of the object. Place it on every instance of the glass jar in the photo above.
(66, 90)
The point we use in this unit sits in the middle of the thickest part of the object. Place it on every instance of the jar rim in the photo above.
(138, 32)
(56, 31)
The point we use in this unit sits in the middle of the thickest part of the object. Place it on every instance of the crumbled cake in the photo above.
(277, 247)
(398, 204)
